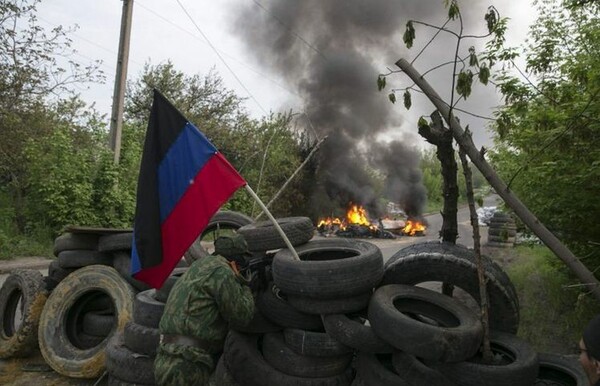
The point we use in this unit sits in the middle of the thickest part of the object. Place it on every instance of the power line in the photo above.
(291, 31)
(164, 19)
(221, 57)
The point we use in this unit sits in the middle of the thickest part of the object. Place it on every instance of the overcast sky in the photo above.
(162, 31)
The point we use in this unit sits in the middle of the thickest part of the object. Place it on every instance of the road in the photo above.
(434, 226)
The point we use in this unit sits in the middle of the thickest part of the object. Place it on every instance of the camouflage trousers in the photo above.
(171, 370)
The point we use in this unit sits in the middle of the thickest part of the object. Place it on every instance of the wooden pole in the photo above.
(308, 157)
(281, 232)
(116, 118)
(465, 142)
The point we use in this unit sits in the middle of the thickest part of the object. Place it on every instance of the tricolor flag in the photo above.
(183, 181)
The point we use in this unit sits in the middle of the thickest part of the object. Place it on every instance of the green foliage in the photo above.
(392, 97)
(453, 10)
(464, 83)
(381, 82)
(548, 292)
(409, 34)
(407, 99)
(266, 152)
(549, 133)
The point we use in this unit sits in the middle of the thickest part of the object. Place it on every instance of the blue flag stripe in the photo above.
(186, 156)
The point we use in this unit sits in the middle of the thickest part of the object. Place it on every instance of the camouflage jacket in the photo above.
(202, 304)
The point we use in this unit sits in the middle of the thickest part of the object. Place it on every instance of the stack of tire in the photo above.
(91, 302)
(292, 346)
(502, 231)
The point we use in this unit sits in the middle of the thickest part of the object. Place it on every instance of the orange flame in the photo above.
(412, 227)
(356, 215)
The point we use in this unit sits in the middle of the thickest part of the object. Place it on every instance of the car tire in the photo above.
(452, 332)
(329, 269)
(352, 332)
(447, 263)
(521, 368)
(27, 289)
(56, 346)
(263, 236)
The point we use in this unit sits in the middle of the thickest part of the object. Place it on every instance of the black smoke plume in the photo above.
(325, 50)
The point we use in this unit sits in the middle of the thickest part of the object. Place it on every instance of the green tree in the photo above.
(548, 134)
(34, 67)
(266, 151)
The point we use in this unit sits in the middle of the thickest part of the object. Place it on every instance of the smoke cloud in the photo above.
(325, 50)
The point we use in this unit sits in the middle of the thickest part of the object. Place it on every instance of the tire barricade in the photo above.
(336, 317)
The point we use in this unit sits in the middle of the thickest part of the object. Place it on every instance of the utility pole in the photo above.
(116, 118)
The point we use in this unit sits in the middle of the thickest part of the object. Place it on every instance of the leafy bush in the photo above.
(554, 310)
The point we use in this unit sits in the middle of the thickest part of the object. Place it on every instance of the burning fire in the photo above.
(413, 227)
(357, 215)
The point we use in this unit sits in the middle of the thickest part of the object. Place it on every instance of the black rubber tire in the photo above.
(315, 344)
(460, 251)
(122, 263)
(127, 365)
(72, 241)
(417, 372)
(82, 258)
(249, 368)
(560, 370)
(345, 305)
(141, 339)
(258, 325)
(115, 242)
(504, 231)
(501, 239)
(521, 371)
(456, 337)
(373, 372)
(55, 345)
(27, 289)
(279, 355)
(332, 268)
(355, 334)
(273, 305)
(501, 216)
(262, 235)
(226, 219)
(87, 341)
(162, 294)
(98, 323)
(147, 311)
(50, 283)
(57, 272)
(222, 376)
(453, 264)
(114, 381)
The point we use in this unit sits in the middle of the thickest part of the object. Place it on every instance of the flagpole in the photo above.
(270, 216)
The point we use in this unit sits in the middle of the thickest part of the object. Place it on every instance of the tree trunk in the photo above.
(441, 137)
(465, 142)
(487, 351)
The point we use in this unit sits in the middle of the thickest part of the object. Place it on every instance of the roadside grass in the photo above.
(14, 245)
(554, 310)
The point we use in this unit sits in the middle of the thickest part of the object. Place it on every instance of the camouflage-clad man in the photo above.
(203, 302)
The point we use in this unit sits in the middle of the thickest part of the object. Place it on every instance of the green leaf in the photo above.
(472, 57)
(407, 99)
(409, 34)
(464, 83)
(381, 82)
(422, 122)
(484, 74)
(453, 10)
(491, 19)
(392, 97)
